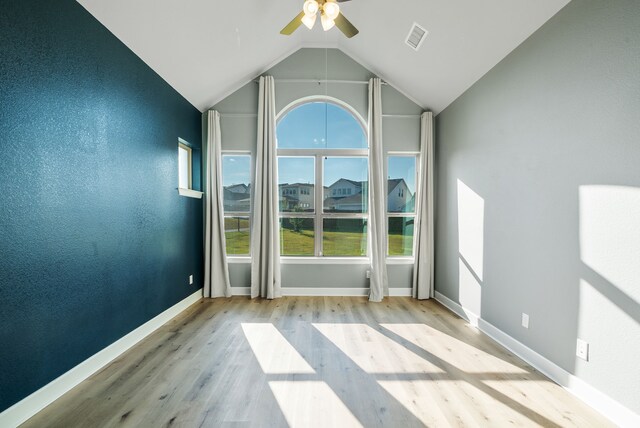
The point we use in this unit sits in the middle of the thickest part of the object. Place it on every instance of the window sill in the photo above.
(324, 260)
(288, 260)
(400, 260)
(190, 193)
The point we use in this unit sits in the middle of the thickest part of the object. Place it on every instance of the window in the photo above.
(188, 170)
(323, 156)
(401, 194)
(236, 183)
(185, 160)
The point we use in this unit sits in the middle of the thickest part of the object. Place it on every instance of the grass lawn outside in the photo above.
(335, 243)
(296, 243)
(400, 245)
(237, 243)
(235, 223)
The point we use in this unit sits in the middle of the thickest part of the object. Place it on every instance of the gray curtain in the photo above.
(423, 269)
(216, 270)
(265, 242)
(377, 226)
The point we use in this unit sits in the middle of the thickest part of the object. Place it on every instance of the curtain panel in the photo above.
(216, 270)
(265, 239)
(423, 268)
(377, 225)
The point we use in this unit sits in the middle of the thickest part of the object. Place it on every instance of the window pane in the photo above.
(236, 233)
(296, 176)
(343, 130)
(236, 182)
(297, 237)
(344, 237)
(401, 236)
(401, 184)
(183, 168)
(320, 125)
(345, 184)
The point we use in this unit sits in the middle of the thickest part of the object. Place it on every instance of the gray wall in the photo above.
(539, 194)
(238, 125)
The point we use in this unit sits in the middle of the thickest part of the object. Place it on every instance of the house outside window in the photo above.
(401, 196)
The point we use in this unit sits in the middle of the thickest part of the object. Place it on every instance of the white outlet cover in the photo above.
(525, 320)
(190, 279)
(582, 349)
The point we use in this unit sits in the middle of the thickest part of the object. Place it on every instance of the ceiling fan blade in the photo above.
(345, 26)
(293, 25)
(342, 1)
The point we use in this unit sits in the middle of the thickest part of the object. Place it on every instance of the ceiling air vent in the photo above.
(416, 36)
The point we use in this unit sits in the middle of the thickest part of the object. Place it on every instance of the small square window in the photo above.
(184, 166)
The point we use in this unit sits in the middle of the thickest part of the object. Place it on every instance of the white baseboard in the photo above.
(616, 412)
(326, 291)
(401, 292)
(29, 406)
(241, 291)
(457, 309)
(318, 291)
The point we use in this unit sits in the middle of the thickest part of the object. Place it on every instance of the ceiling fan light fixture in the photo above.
(331, 9)
(310, 8)
(309, 20)
(327, 23)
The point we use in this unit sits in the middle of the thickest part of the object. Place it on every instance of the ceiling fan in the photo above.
(330, 15)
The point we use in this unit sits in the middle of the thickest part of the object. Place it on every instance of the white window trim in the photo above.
(318, 215)
(183, 191)
(182, 144)
(190, 193)
(332, 260)
(303, 260)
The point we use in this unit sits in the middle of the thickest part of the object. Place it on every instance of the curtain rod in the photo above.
(403, 116)
(319, 81)
(398, 116)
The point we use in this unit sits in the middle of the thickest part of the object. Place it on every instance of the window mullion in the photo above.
(319, 196)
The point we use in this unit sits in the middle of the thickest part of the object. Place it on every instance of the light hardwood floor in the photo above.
(317, 362)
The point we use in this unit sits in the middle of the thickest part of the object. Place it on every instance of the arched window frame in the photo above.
(318, 154)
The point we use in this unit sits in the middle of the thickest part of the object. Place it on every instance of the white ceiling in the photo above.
(207, 48)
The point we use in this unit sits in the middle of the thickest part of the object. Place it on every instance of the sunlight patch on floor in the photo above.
(273, 352)
(416, 397)
(451, 350)
(311, 404)
(372, 351)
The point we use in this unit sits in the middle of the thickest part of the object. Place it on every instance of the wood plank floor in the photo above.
(317, 362)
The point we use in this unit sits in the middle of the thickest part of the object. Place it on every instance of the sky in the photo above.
(318, 125)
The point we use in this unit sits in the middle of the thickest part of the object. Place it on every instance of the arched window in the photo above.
(322, 148)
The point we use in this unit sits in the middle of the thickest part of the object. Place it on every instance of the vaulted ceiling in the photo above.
(207, 48)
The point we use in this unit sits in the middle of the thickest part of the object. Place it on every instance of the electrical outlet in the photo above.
(582, 349)
(368, 274)
(525, 320)
(190, 279)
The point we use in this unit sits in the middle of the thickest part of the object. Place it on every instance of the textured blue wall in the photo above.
(94, 238)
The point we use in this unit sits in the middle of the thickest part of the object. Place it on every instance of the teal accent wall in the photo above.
(94, 238)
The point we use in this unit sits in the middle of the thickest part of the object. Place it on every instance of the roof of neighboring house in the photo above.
(241, 185)
(355, 183)
(392, 183)
(234, 196)
(295, 184)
